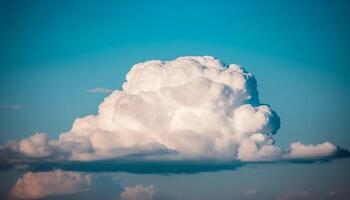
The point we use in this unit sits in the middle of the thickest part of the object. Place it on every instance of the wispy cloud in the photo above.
(4, 107)
(100, 90)
(251, 192)
(138, 192)
(296, 195)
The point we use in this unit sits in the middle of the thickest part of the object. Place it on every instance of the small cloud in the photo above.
(251, 192)
(11, 107)
(296, 195)
(36, 146)
(138, 192)
(100, 90)
(299, 150)
(44, 184)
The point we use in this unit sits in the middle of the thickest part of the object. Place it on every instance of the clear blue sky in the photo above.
(53, 51)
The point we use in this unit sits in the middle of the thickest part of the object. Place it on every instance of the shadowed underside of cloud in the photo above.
(149, 167)
(137, 165)
(190, 108)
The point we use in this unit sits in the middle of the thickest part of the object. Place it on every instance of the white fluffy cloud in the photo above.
(138, 192)
(299, 150)
(197, 107)
(43, 184)
(36, 145)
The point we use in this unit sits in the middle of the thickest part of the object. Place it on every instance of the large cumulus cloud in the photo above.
(188, 108)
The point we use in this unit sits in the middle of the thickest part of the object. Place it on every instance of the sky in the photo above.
(54, 54)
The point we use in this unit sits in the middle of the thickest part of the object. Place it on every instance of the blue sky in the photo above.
(52, 52)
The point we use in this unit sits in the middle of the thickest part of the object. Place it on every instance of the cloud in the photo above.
(251, 192)
(44, 184)
(100, 90)
(15, 107)
(306, 195)
(190, 108)
(138, 192)
(296, 195)
(35, 146)
(299, 150)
